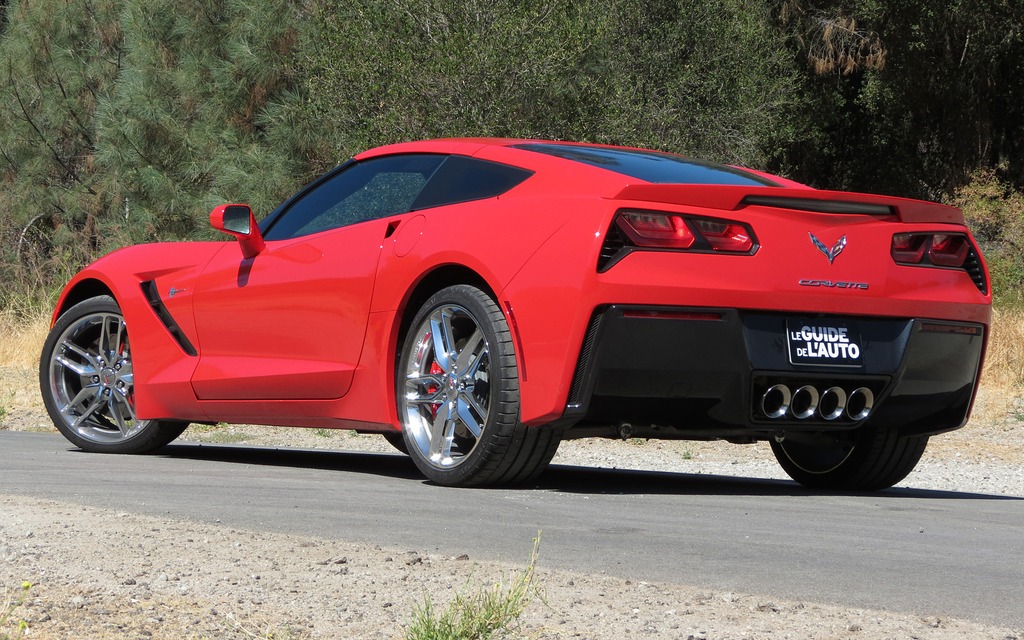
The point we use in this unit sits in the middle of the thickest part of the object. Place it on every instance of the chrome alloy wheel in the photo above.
(446, 400)
(91, 379)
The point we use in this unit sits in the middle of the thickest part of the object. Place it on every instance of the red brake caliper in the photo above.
(434, 369)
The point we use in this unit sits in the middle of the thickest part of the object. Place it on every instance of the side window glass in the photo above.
(371, 189)
(462, 179)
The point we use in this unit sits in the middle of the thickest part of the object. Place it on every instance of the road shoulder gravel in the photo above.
(97, 573)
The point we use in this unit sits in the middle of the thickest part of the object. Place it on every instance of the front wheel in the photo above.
(87, 380)
(458, 395)
(867, 459)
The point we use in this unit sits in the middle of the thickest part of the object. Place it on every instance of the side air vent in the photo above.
(616, 246)
(153, 297)
(972, 265)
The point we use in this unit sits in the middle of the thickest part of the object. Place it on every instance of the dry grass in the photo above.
(1002, 381)
(1004, 364)
(22, 338)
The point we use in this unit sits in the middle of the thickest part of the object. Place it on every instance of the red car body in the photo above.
(601, 300)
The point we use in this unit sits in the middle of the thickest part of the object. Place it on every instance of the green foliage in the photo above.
(939, 99)
(995, 213)
(127, 120)
(671, 75)
(480, 615)
(57, 62)
(202, 113)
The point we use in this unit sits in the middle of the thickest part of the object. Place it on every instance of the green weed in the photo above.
(10, 603)
(482, 614)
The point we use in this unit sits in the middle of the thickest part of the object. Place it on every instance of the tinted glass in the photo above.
(651, 166)
(367, 190)
(461, 179)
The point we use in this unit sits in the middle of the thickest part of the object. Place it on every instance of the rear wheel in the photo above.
(458, 395)
(863, 460)
(87, 380)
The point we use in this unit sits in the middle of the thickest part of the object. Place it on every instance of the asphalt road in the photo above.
(924, 552)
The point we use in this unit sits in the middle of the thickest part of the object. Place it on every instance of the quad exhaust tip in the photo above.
(807, 402)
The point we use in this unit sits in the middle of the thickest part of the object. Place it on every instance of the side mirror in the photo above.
(237, 220)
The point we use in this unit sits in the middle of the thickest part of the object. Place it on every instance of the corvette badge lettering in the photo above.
(863, 286)
(832, 253)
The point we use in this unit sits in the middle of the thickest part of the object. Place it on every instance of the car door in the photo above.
(289, 323)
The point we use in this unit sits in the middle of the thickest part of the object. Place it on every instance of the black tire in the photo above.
(458, 395)
(396, 440)
(867, 459)
(87, 382)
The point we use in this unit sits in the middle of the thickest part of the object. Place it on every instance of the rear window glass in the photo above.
(462, 179)
(651, 166)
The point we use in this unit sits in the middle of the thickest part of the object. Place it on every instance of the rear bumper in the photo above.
(675, 372)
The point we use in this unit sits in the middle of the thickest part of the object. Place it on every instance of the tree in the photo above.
(706, 78)
(58, 62)
(204, 112)
(937, 95)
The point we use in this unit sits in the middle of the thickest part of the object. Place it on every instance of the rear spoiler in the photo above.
(731, 198)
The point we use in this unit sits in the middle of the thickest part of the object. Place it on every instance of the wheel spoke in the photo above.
(466, 411)
(120, 344)
(442, 433)
(416, 383)
(85, 355)
(81, 369)
(426, 398)
(471, 401)
(115, 413)
(94, 405)
(125, 401)
(443, 336)
(92, 390)
(104, 343)
(471, 354)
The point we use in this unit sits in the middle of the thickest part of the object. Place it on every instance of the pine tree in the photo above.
(709, 78)
(204, 112)
(58, 60)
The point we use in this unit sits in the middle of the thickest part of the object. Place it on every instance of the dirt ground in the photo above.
(94, 573)
(102, 574)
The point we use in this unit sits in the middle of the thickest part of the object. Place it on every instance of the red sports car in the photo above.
(476, 301)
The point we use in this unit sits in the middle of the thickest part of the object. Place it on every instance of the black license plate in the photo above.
(831, 343)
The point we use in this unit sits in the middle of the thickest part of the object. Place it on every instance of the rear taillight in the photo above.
(649, 229)
(908, 248)
(657, 229)
(726, 236)
(948, 250)
(931, 249)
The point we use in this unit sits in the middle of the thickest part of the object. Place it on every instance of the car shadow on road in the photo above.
(558, 478)
(602, 481)
(382, 464)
